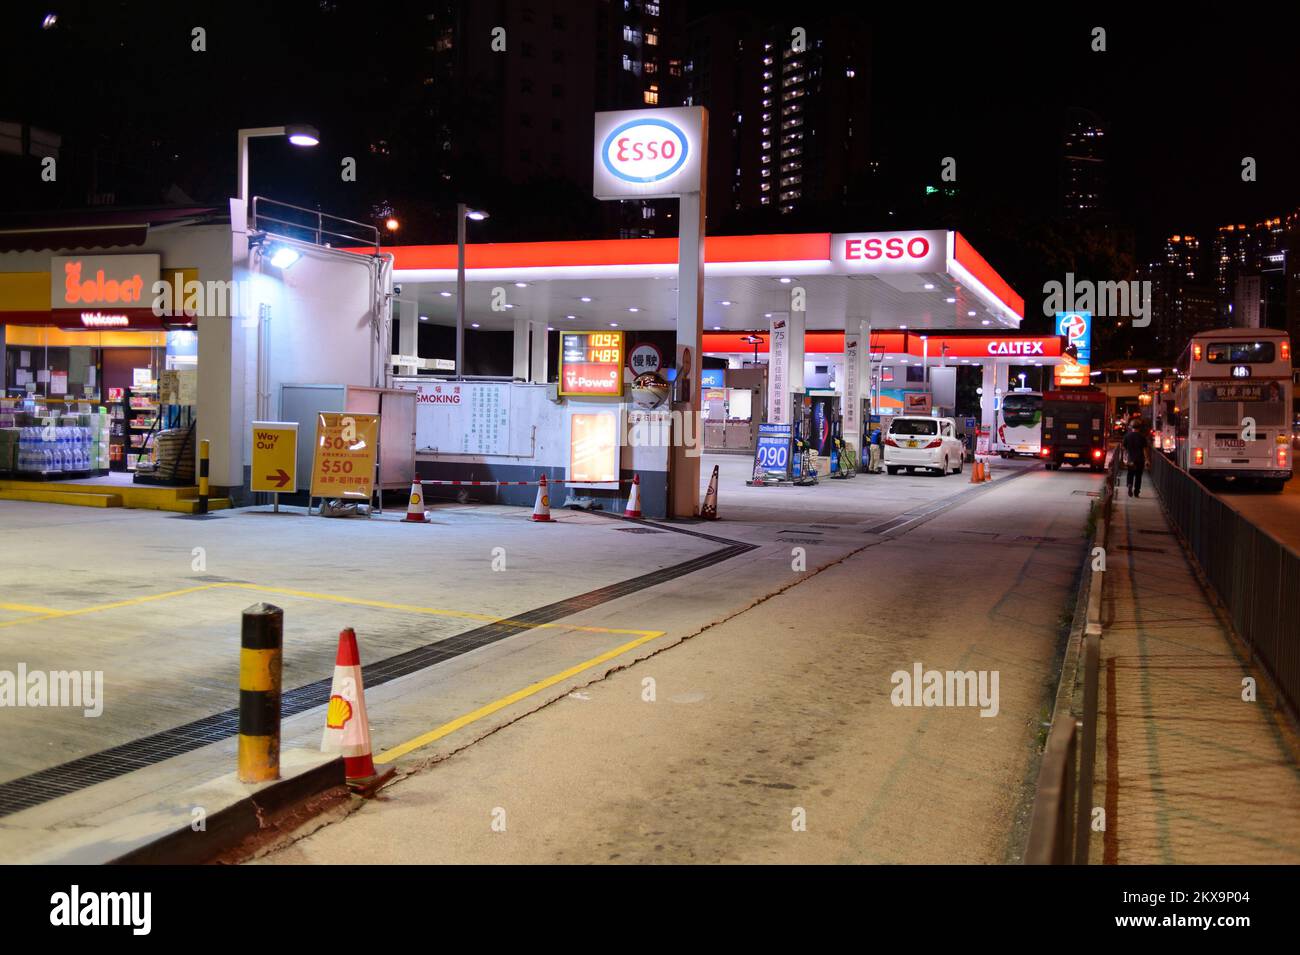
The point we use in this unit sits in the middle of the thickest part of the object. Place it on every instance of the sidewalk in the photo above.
(1187, 771)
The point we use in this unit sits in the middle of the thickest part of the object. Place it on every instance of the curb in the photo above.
(230, 826)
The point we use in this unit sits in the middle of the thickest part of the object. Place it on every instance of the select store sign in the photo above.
(591, 363)
(648, 152)
(102, 283)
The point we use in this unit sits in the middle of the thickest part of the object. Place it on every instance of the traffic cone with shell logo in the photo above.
(542, 509)
(415, 513)
(347, 730)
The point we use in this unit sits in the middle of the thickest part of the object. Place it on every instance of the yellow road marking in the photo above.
(27, 608)
(47, 613)
(130, 602)
(473, 716)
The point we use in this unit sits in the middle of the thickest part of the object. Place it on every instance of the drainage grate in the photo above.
(1087, 493)
(638, 530)
(70, 777)
(1140, 550)
(800, 540)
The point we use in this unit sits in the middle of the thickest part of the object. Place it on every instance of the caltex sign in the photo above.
(648, 152)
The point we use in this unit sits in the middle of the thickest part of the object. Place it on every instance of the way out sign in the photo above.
(343, 464)
(275, 456)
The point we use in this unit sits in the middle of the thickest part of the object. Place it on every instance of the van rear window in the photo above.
(913, 426)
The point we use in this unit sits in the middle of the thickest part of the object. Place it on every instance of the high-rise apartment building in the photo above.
(1083, 166)
(787, 107)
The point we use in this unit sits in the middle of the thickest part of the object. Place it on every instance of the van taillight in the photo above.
(1198, 456)
(891, 442)
(935, 443)
(1044, 452)
(1286, 348)
(1096, 453)
(1196, 352)
(1281, 455)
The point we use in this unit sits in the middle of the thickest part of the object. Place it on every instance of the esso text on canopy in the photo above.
(873, 248)
(645, 150)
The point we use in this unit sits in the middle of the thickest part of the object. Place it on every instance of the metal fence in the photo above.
(1256, 577)
(1061, 818)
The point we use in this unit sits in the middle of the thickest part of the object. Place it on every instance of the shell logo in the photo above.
(644, 150)
(338, 713)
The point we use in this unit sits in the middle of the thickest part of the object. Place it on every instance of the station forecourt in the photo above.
(783, 325)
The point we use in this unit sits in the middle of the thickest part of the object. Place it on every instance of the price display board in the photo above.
(591, 363)
(772, 453)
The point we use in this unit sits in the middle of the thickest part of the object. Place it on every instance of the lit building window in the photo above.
(652, 38)
(651, 96)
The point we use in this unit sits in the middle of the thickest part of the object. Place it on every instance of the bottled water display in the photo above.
(64, 448)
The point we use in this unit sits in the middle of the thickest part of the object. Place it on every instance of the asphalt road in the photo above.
(1279, 514)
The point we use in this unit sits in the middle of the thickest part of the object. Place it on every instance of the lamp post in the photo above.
(299, 134)
(463, 212)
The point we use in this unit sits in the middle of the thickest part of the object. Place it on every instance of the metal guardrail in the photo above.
(1256, 577)
(310, 225)
(1061, 819)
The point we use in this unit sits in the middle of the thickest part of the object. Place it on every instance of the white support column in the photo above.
(408, 324)
(685, 467)
(521, 341)
(538, 369)
(988, 418)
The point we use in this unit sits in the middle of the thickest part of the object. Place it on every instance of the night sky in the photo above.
(1187, 91)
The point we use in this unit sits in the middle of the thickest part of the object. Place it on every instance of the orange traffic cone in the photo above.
(542, 509)
(710, 509)
(415, 509)
(347, 730)
(976, 472)
(633, 508)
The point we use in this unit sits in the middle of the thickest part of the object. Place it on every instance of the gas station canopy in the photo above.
(912, 280)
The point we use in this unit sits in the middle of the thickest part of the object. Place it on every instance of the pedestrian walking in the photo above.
(1135, 452)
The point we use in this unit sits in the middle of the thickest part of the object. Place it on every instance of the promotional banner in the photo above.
(778, 371)
(772, 452)
(593, 449)
(343, 465)
(852, 411)
(1076, 327)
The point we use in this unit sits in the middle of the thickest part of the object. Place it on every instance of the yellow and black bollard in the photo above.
(260, 653)
(203, 476)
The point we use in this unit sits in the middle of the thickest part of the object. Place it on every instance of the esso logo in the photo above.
(1073, 326)
(893, 247)
(644, 150)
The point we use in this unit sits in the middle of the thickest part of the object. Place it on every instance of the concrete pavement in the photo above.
(125, 592)
(782, 714)
(1188, 770)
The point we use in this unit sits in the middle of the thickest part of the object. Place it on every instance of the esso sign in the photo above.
(891, 251)
(893, 247)
(645, 150)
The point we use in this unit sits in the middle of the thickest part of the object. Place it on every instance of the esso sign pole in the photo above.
(663, 153)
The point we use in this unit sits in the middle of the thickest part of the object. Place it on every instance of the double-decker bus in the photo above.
(1233, 406)
(1164, 416)
(1020, 424)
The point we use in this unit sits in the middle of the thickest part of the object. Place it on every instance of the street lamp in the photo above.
(463, 212)
(300, 134)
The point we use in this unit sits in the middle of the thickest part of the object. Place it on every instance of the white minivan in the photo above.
(923, 443)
